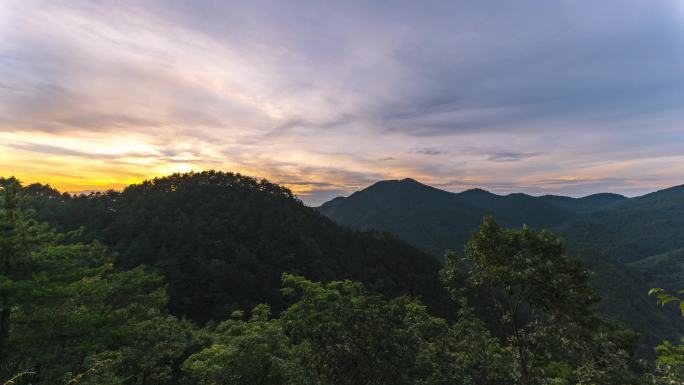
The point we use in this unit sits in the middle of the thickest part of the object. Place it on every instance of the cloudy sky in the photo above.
(570, 97)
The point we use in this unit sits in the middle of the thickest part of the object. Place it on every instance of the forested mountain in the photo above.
(606, 230)
(218, 251)
(223, 241)
(433, 219)
(585, 204)
(633, 229)
(663, 270)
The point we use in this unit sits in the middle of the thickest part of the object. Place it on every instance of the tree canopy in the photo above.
(75, 312)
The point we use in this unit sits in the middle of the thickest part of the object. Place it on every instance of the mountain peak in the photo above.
(398, 183)
(477, 192)
(604, 197)
(409, 180)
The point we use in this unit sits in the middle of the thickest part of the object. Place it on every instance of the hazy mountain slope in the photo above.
(424, 216)
(515, 209)
(223, 241)
(433, 219)
(632, 229)
(663, 270)
(604, 229)
(586, 204)
(610, 224)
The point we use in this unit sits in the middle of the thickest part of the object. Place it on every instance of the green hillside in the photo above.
(663, 270)
(216, 245)
(632, 229)
(586, 204)
(433, 219)
(223, 241)
(606, 230)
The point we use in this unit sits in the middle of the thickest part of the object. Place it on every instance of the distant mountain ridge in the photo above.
(444, 219)
(587, 203)
(611, 232)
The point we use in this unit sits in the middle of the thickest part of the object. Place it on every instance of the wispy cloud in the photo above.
(510, 156)
(330, 96)
(430, 151)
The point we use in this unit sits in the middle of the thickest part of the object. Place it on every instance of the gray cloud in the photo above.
(510, 156)
(47, 149)
(430, 151)
(324, 94)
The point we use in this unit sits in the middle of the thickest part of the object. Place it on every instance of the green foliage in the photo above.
(346, 335)
(69, 316)
(245, 353)
(465, 353)
(223, 240)
(149, 351)
(542, 302)
(600, 354)
(611, 233)
(664, 297)
(670, 357)
(527, 268)
(73, 313)
(669, 364)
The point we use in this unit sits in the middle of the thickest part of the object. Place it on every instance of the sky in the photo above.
(327, 97)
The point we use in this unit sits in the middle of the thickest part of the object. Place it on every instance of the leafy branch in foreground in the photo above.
(664, 297)
(670, 361)
(12, 381)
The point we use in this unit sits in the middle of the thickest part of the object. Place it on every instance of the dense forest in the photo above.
(216, 278)
(223, 240)
(630, 244)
